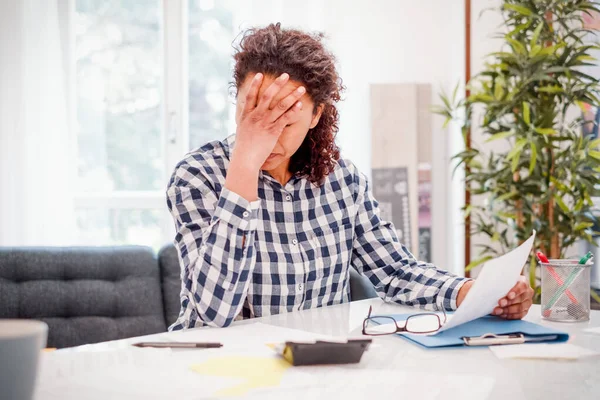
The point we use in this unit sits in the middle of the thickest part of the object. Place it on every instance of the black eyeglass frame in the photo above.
(398, 328)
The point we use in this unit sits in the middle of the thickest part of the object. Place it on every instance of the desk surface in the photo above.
(514, 379)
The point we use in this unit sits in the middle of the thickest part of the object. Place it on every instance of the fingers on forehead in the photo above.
(282, 94)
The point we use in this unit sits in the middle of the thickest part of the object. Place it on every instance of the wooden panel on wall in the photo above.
(399, 115)
(425, 175)
(424, 125)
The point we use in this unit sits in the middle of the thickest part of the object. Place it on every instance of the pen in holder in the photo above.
(565, 290)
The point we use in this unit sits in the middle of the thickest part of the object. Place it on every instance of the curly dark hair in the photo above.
(272, 51)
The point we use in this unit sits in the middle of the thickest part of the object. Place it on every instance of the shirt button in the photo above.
(288, 197)
(294, 242)
(246, 214)
(300, 287)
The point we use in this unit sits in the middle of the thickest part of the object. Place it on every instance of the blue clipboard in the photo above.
(480, 327)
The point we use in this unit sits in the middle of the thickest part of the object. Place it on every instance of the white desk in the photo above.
(514, 379)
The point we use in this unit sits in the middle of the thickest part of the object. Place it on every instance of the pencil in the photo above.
(180, 345)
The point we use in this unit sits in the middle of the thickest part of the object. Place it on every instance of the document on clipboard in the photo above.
(489, 331)
(472, 321)
(496, 278)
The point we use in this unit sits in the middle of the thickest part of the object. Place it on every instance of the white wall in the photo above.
(388, 41)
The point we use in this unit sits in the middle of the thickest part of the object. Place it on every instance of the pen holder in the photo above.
(565, 291)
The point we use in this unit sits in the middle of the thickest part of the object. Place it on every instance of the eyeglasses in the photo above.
(417, 323)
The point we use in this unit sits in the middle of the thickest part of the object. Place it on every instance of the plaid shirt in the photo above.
(289, 250)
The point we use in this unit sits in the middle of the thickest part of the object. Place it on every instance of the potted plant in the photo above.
(527, 94)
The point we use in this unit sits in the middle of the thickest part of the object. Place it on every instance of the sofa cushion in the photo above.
(360, 287)
(85, 294)
(171, 282)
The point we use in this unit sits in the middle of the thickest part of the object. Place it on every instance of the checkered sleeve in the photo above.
(215, 235)
(394, 272)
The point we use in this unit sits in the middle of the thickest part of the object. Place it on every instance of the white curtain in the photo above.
(37, 167)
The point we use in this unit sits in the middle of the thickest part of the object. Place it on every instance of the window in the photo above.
(151, 82)
(118, 95)
(210, 33)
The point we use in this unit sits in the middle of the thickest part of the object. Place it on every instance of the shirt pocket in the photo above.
(332, 247)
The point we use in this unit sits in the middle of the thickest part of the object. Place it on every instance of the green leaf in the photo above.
(474, 163)
(595, 296)
(559, 185)
(526, 116)
(520, 28)
(586, 57)
(561, 204)
(502, 55)
(446, 102)
(546, 51)
(498, 91)
(595, 154)
(507, 215)
(533, 159)
(514, 164)
(537, 293)
(477, 262)
(506, 196)
(439, 110)
(550, 89)
(468, 210)
(483, 98)
(578, 205)
(520, 9)
(545, 131)
(536, 34)
(594, 144)
(535, 50)
(454, 92)
(583, 225)
(532, 268)
(516, 45)
(499, 135)
(517, 148)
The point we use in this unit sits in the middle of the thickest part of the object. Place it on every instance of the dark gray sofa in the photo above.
(95, 294)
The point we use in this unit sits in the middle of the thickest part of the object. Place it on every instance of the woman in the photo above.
(271, 219)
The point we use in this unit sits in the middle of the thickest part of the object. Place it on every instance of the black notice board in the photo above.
(390, 189)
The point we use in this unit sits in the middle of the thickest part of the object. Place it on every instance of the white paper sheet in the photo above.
(595, 330)
(496, 278)
(248, 335)
(555, 351)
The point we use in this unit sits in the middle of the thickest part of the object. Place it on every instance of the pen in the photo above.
(180, 345)
(542, 257)
(583, 261)
(586, 258)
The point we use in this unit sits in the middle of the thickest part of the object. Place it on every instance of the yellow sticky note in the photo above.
(257, 372)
